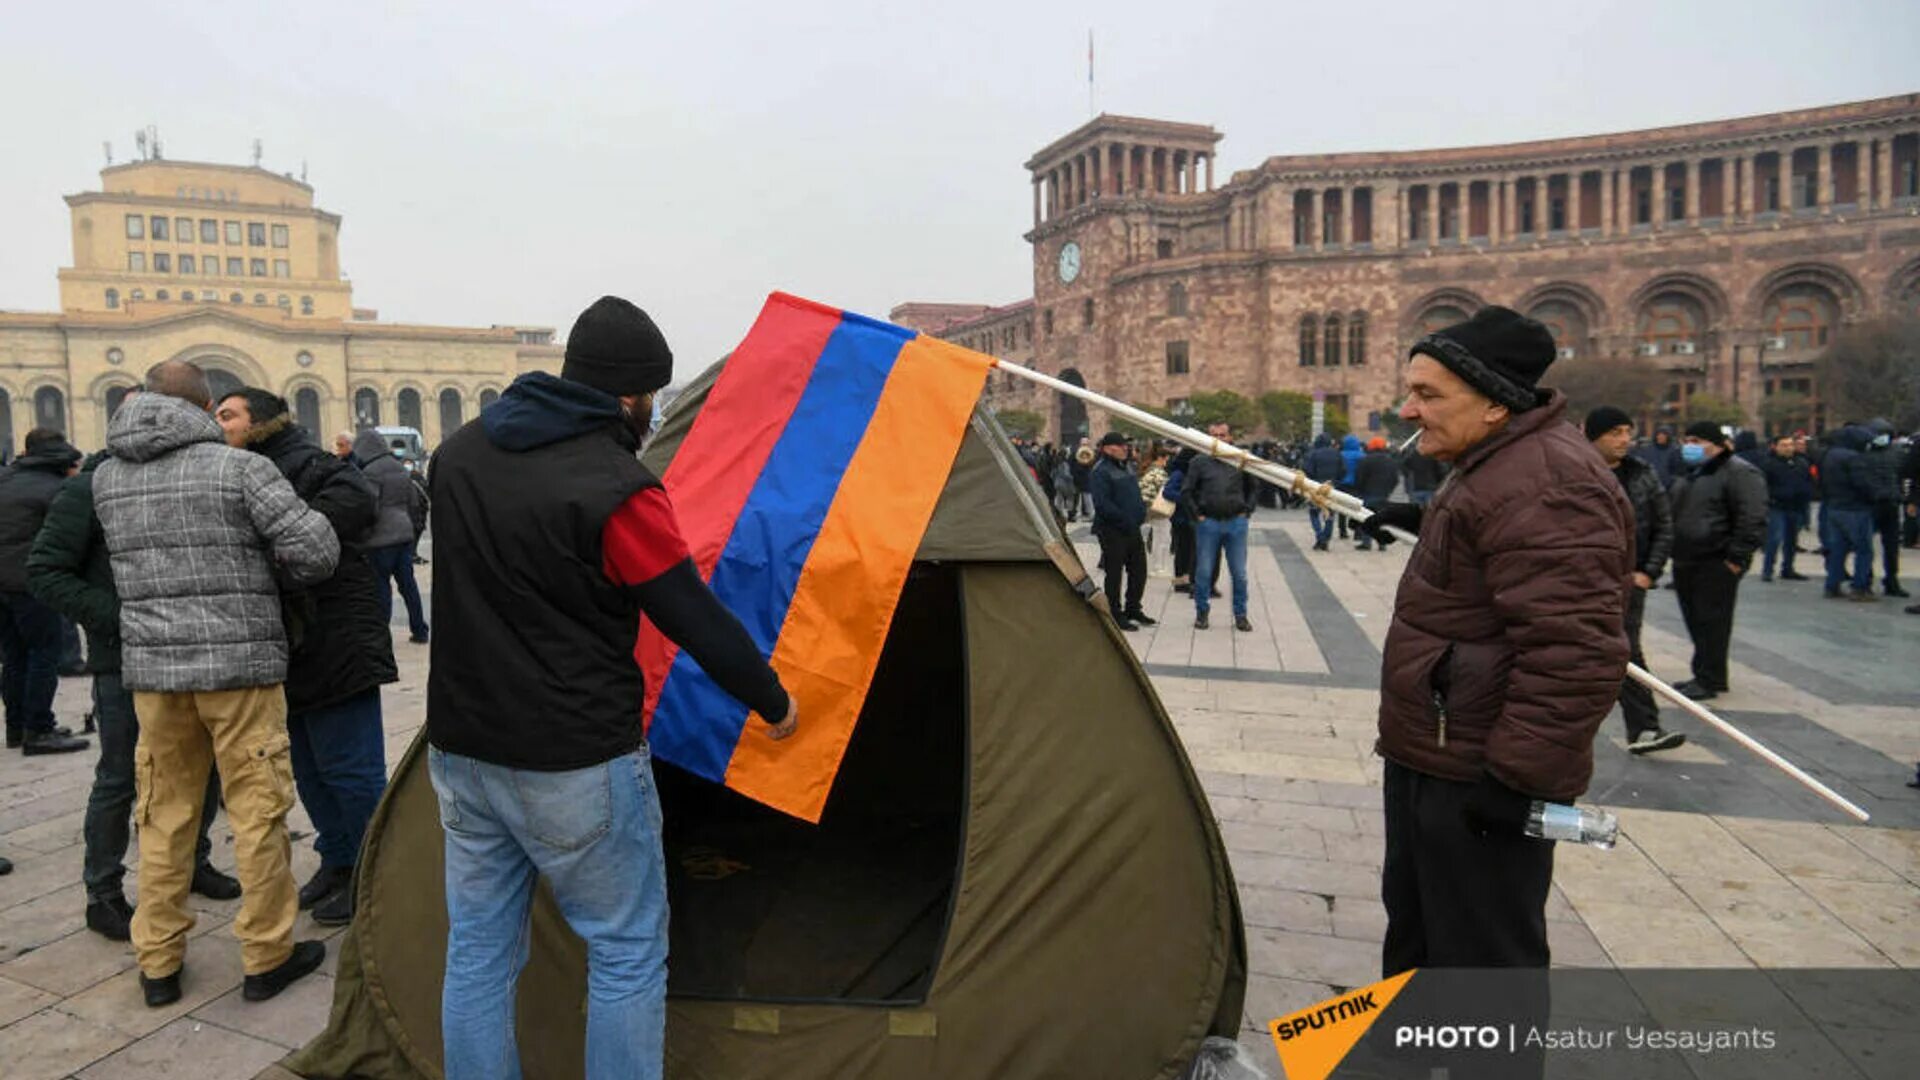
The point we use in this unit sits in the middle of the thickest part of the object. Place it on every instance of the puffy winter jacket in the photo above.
(27, 488)
(1719, 512)
(1508, 640)
(70, 572)
(196, 529)
(1351, 451)
(394, 524)
(1652, 515)
(1883, 462)
(1846, 477)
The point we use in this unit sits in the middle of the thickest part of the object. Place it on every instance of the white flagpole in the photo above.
(1340, 502)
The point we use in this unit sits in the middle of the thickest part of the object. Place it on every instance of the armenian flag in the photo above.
(803, 489)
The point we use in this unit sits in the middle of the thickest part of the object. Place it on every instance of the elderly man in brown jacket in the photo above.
(1506, 650)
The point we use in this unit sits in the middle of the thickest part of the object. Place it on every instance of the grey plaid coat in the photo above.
(194, 528)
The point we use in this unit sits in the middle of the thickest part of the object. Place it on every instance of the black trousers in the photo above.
(1707, 591)
(1636, 701)
(1886, 522)
(1454, 899)
(1123, 549)
(1182, 548)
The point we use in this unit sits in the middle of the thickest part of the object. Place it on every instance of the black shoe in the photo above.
(323, 883)
(1143, 618)
(418, 639)
(1241, 622)
(213, 884)
(1213, 594)
(1183, 587)
(1653, 739)
(6, 867)
(111, 918)
(162, 991)
(307, 956)
(1199, 622)
(1792, 575)
(53, 742)
(1125, 624)
(1697, 691)
(1893, 589)
(15, 740)
(1912, 609)
(1833, 594)
(87, 724)
(335, 910)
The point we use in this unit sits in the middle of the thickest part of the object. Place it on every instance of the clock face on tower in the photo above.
(1069, 262)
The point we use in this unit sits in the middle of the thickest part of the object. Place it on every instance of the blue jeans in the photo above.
(1782, 527)
(340, 769)
(594, 834)
(394, 563)
(1322, 521)
(30, 652)
(1210, 537)
(108, 824)
(1850, 530)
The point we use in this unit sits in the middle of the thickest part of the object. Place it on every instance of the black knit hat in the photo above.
(615, 348)
(1498, 351)
(1605, 419)
(1708, 430)
(1113, 438)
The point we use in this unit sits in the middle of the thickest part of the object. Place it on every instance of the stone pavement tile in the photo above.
(1306, 875)
(1226, 784)
(1281, 789)
(70, 964)
(51, 1044)
(1692, 844)
(1558, 909)
(1275, 812)
(1359, 919)
(1355, 796)
(1885, 913)
(1299, 743)
(1284, 909)
(1268, 699)
(18, 999)
(212, 969)
(1639, 935)
(189, 1048)
(50, 835)
(289, 1020)
(1269, 998)
(1296, 840)
(37, 874)
(1896, 849)
(49, 918)
(1317, 958)
(1623, 875)
(1291, 766)
(1360, 849)
(1807, 849)
(1573, 945)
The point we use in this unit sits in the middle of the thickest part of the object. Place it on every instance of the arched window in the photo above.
(50, 409)
(113, 299)
(116, 395)
(137, 294)
(260, 298)
(1565, 323)
(1357, 339)
(1438, 317)
(237, 298)
(306, 409)
(1671, 323)
(1800, 318)
(488, 397)
(306, 305)
(1331, 351)
(366, 407)
(408, 407)
(1177, 299)
(450, 412)
(283, 301)
(160, 294)
(1309, 338)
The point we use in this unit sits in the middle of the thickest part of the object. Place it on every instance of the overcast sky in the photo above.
(495, 164)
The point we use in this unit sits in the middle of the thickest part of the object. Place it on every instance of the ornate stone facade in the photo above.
(1727, 253)
(235, 269)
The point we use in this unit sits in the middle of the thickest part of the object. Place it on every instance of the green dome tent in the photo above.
(1016, 874)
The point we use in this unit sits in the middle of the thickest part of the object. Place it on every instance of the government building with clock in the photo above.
(235, 269)
(1727, 254)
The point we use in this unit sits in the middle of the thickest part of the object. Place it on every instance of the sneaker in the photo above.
(335, 910)
(1199, 622)
(53, 742)
(1698, 691)
(1143, 618)
(1654, 739)
(213, 884)
(323, 883)
(1127, 625)
(1240, 622)
(162, 991)
(1792, 575)
(111, 918)
(306, 957)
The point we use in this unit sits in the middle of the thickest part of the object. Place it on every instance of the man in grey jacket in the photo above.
(199, 534)
(389, 544)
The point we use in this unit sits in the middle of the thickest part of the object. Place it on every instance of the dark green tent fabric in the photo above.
(1017, 874)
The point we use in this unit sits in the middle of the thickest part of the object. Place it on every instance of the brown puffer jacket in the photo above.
(1507, 646)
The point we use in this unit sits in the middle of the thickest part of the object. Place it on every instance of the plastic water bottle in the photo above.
(1560, 821)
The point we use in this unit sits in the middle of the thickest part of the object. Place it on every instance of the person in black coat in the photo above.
(1611, 431)
(1789, 497)
(31, 633)
(1118, 513)
(1664, 455)
(340, 651)
(1884, 463)
(1323, 465)
(1719, 521)
(1374, 479)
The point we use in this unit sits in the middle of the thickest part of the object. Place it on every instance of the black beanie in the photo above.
(1113, 438)
(1605, 419)
(1498, 351)
(1708, 430)
(615, 348)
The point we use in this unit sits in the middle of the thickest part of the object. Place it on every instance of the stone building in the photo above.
(1728, 254)
(236, 269)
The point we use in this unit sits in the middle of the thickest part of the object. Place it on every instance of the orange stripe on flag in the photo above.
(843, 606)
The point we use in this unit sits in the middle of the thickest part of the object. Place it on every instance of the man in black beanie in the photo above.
(1719, 521)
(550, 542)
(1506, 649)
(1610, 430)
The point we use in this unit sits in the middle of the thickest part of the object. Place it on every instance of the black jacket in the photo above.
(1719, 511)
(1324, 461)
(27, 488)
(1215, 489)
(338, 645)
(71, 572)
(1117, 505)
(1846, 476)
(533, 645)
(1422, 472)
(1666, 460)
(1652, 515)
(1376, 476)
(1789, 481)
(1883, 468)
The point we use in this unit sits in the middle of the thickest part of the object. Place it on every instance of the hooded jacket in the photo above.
(1846, 476)
(1351, 451)
(339, 645)
(1719, 511)
(1508, 639)
(27, 488)
(1666, 460)
(196, 530)
(393, 523)
(69, 569)
(1883, 462)
(1323, 461)
(550, 542)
